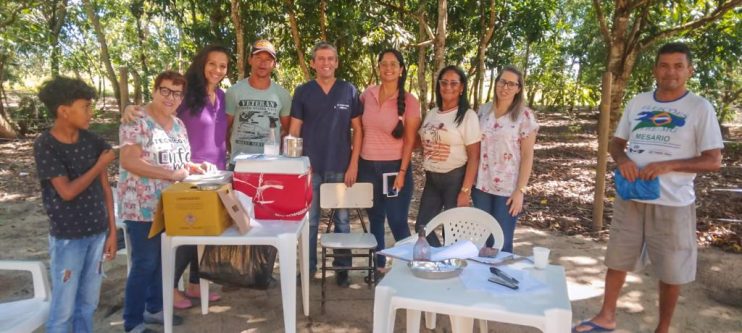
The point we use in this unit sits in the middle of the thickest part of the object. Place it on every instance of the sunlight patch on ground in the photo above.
(584, 261)
(219, 308)
(10, 196)
(720, 312)
(578, 291)
(631, 301)
(633, 278)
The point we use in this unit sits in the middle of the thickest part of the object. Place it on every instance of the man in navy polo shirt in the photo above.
(323, 111)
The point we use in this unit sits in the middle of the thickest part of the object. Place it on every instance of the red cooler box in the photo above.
(280, 187)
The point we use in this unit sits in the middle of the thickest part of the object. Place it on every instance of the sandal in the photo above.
(213, 297)
(594, 328)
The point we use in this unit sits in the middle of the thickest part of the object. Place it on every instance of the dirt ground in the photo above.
(558, 216)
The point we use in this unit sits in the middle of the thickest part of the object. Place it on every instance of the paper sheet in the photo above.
(475, 277)
(459, 250)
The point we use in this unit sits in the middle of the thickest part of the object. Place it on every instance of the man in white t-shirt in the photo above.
(672, 134)
(255, 104)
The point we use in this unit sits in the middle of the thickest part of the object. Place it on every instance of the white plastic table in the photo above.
(283, 235)
(550, 312)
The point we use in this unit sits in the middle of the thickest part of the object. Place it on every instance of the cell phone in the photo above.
(388, 184)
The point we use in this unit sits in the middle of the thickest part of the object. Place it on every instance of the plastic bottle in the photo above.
(421, 250)
(271, 146)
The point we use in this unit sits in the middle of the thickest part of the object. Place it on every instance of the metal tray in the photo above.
(435, 270)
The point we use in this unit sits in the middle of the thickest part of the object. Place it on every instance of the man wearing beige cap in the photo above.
(252, 104)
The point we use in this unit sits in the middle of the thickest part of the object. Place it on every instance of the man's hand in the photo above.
(111, 246)
(131, 113)
(655, 169)
(106, 157)
(628, 169)
(515, 202)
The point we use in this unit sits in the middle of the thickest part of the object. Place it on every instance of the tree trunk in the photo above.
(56, 20)
(105, 58)
(525, 62)
(7, 128)
(422, 83)
(439, 43)
(323, 20)
(491, 88)
(141, 81)
(137, 87)
(240, 36)
(484, 41)
(605, 107)
(297, 39)
(123, 88)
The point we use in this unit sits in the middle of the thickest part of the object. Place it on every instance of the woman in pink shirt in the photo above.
(509, 131)
(391, 118)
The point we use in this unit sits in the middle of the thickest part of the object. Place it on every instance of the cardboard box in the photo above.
(187, 210)
(280, 187)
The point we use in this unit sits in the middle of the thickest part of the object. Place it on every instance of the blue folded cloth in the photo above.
(639, 189)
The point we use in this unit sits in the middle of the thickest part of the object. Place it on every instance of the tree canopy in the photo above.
(563, 46)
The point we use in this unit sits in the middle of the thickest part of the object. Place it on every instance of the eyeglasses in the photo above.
(165, 92)
(505, 83)
(446, 83)
(389, 64)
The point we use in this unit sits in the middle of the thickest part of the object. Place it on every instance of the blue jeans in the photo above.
(76, 274)
(144, 284)
(496, 206)
(394, 210)
(440, 193)
(341, 221)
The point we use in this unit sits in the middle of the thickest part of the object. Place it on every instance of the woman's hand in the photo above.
(515, 202)
(351, 174)
(399, 180)
(463, 199)
(179, 175)
(131, 113)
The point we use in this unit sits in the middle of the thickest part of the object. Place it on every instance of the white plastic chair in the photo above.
(465, 223)
(120, 225)
(336, 196)
(28, 314)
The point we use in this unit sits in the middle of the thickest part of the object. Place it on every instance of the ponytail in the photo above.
(398, 131)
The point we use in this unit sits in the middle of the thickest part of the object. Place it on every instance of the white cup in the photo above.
(540, 257)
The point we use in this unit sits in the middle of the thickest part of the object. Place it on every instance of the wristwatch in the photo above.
(466, 190)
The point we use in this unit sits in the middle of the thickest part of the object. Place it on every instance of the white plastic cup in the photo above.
(540, 257)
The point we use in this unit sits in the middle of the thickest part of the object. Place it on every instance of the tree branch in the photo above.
(635, 5)
(719, 11)
(601, 20)
(417, 14)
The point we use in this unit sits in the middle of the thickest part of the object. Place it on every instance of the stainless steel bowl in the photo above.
(435, 270)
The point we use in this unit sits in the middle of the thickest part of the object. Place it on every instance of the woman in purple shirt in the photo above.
(203, 113)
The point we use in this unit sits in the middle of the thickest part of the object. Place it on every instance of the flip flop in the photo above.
(213, 297)
(183, 304)
(594, 328)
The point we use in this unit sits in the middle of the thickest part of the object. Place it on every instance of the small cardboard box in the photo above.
(189, 210)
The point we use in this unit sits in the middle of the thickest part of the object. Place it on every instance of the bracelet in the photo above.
(402, 170)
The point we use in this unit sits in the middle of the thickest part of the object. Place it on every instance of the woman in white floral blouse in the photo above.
(509, 132)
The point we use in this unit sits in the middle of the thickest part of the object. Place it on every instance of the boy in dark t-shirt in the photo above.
(71, 164)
